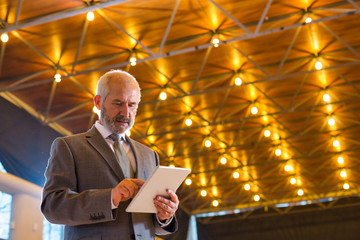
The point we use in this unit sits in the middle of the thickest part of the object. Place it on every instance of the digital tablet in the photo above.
(163, 178)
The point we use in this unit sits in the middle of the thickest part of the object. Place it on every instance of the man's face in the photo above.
(119, 108)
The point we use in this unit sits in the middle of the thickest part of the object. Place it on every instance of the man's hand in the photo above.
(126, 189)
(166, 207)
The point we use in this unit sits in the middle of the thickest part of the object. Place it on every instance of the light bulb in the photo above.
(326, 97)
(96, 110)
(238, 81)
(343, 174)
(256, 198)
(203, 193)
(267, 133)
(163, 96)
(188, 122)
(331, 122)
(318, 65)
(57, 77)
(172, 165)
(207, 143)
(288, 168)
(336, 143)
(300, 192)
(346, 186)
(128, 133)
(4, 37)
(340, 160)
(236, 175)
(215, 203)
(278, 152)
(247, 187)
(293, 181)
(90, 16)
(308, 20)
(223, 160)
(215, 41)
(254, 110)
(188, 181)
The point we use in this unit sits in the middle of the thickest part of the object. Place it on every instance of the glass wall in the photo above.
(5, 211)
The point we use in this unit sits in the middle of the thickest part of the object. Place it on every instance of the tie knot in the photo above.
(114, 137)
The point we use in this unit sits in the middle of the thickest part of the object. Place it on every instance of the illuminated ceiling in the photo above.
(271, 46)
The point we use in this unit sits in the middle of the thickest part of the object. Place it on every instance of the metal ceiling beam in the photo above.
(60, 15)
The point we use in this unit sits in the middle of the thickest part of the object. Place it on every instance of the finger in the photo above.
(174, 198)
(138, 182)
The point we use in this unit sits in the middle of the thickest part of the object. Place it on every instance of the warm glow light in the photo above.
(207, 143)
(215, 41)
(215, 203)
(188, 181)
(172, 165)
(308, 20)
(256, 198)
(346, 186)
(340, 160)
(300, 192)
(318, 65)
(57, 77)
(288, 168)
(132, 61)
(343, 174)
(223, 160)
(247, 187)
(238, 81)
(4, 37)
(336, 143)
(267, 133)
(128, 133)
(293, 180)
(203, 193)
(254, 110)
(326, 97)
(278, 152)
(163, 96)
(236, 175)
(188, 122)
(90, 16)
(331, 122)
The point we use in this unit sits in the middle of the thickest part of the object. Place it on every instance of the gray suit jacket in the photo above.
(81, 172)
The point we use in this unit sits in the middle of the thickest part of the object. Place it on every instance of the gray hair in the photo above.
(102, 88)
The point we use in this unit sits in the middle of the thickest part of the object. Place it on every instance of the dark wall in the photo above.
(303, 223)
(24, 143)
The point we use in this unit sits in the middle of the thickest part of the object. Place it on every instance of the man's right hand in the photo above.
(125, 190)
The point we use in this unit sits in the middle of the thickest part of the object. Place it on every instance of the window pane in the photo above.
(5, 215)
(52, 231)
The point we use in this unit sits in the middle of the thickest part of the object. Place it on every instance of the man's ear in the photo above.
(97, 102)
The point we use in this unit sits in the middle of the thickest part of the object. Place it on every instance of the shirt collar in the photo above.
(105, 133)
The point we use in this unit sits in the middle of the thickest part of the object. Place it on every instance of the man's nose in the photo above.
(125, 110)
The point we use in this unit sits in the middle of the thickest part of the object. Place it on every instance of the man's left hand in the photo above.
(166, 207)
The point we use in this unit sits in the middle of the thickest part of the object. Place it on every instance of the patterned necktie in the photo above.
(122, 157)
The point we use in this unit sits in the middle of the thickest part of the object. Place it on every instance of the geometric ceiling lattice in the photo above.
(273, 87)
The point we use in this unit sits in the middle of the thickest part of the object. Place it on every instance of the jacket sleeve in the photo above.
(61, 203)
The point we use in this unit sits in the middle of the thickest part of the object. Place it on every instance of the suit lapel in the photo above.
(95, 139)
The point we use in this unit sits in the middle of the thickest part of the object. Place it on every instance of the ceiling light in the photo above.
(90, 16)
(278, 152)
(238, 81)
(343, 174)
(96, 110)
(215, 203)
(300, 192)
(267, 133)
(223, 160)
(326, 97)
(247, 187)
(336, 143)
(256, 198)
(188, 181)
(57, 77)
(308, 20)
(331, 122)
(236, 175)
(318, 65)
(254, 110)
(203, 193)
(4, 37)
(207, 143)
(293, 180)
(188, 122)
(215, 41)
(128, 133)
(172, 165)
(132, 61)
(340, 160)
(346, 186)
(163, 95)
(288, 168)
